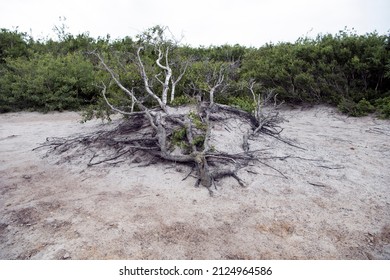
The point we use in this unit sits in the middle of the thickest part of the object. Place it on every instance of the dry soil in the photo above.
(334, 203)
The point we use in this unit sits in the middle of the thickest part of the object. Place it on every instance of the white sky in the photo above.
(202, 22)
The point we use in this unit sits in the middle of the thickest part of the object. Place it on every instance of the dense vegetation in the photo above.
(346, 70)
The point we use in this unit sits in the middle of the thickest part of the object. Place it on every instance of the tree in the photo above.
(164, 47)
(180, 136)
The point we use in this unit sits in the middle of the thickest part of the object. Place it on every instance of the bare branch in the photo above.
(218, 82)
(128, 92)
(146, 81)
(168, 73)
(113, 107)
(114, 77)
(174, 82)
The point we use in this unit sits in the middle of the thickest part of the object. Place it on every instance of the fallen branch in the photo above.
(108, 159)
(331, 167)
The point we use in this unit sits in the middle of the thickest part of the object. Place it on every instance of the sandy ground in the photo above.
(334, 203)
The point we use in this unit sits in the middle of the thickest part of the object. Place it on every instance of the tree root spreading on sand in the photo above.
(182, 138)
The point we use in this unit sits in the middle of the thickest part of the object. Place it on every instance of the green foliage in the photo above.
(243, 103)
(179, 138)
(98, 111)
(47, 83)
(204, 74)
(383, 106)
(13, 44)
(182, 100)
(347, 106)
(326, 69)
(365, 107)
(179, 135)
(348, 70)
(196, 120)
(199, 141)
(362, 108)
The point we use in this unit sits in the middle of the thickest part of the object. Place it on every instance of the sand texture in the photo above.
(333, 203)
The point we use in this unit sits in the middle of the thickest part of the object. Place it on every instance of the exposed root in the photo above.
(183, 138)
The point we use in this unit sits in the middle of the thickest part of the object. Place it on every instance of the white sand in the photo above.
(334, 204)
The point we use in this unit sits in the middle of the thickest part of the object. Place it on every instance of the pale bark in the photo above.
(168, 73)
(217, 83)
(146, 81)
(174, 82)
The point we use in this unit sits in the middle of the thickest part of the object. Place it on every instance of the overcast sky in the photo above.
(202, 22)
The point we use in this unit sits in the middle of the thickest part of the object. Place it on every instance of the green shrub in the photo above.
(199, 141)
(46, 83)
(383, 107)
(243, 103)
(362, 108)
(179, 137)
(197, 121)
(182, 100)
(346, 106)
(98, 111)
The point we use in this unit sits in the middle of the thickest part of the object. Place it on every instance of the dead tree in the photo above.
(215, 81)
(163, 46)
(165, 134)
(263, 116)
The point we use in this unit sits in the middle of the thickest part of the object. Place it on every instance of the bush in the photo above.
(345, 69)
(244, 103)
(197, 121)
(199, 141)
(383, 107)
(362, 108)
(178, 138)
(182, 100)
(337, 69)
(46, 83)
